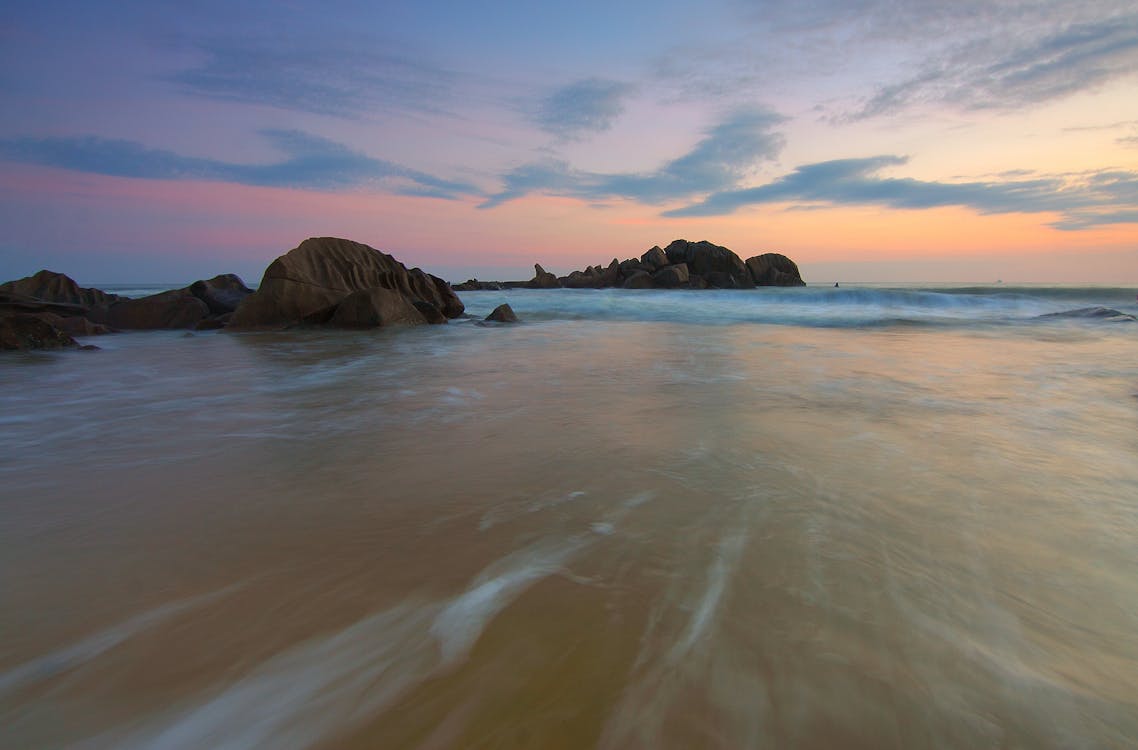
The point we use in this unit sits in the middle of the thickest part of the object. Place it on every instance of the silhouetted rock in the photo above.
(774, 269)
(29, 331)
(221, 294)
(542, 279)
(50, 286)
(639, 280)
(173, 309)
(704, 265)
(474, 285)
(670, 277)
(308, 283)
(654, 259)
(719, 266)
(502, 314)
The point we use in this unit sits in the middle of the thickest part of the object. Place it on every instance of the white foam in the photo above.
(331, 684)
(459, 625)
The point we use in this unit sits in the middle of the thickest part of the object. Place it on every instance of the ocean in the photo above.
(856, 517)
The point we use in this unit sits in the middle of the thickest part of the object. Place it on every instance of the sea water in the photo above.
(861, 517)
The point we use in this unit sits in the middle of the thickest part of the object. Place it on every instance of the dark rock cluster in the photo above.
(66, 309)
(681, 265)
(324, 282)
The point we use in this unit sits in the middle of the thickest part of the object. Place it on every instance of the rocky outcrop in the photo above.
(542, 279)
(30, 331)
(79, 311)
(681, 265)
(307, 285)
(49, 286)
(502, 314)
(774, 269)
(174, 309)
(221, 294)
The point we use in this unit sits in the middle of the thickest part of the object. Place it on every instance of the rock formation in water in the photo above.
(55, 299)
(502, 314)
(309, 284)
(30, 331)
(681, 265)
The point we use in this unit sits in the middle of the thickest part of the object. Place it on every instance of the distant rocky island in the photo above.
(332, 282)
(680, 265)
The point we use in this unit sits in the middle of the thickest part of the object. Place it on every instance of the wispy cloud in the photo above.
(310, 163)
(588, 106)
(345, 79)
(1081, 200)
(997, 72)
(726, 154)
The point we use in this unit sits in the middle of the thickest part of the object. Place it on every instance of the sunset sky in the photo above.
(869, 140)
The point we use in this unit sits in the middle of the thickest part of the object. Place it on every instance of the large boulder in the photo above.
(654, 259)
(308, 283)
(502, 314)
(29, 331)
(221, 294)
(774, 269)
(176, 308)
(639, 280)
(670, 277)
(375, 307)
(718, 265)
(50, 286)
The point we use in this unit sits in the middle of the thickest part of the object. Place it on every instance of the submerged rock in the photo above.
(309, 283)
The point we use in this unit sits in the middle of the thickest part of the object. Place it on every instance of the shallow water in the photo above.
(636, 520)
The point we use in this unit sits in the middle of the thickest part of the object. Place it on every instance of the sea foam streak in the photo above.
(70, 657)
(331, 684)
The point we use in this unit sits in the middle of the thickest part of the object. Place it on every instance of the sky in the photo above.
(869, 140)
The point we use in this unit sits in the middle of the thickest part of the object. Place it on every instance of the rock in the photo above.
(632, 265)
(639, 280)
(713, 262)
(654, 259)
(28, 331)
(474, 285)
(542, 279)
(672, 276)
(611, 275)
(774, 269)
(50, 286)
(502, 314)
(1094, 313)
(307, 284)
(375, 307)
(587, 279)
(221, 294)
(707, 265)
(75, 325)
(173, 309)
